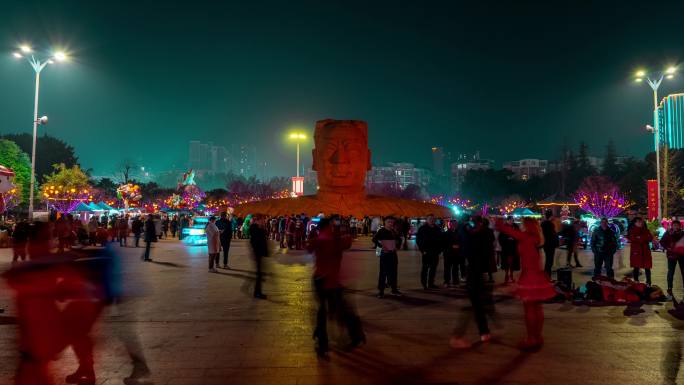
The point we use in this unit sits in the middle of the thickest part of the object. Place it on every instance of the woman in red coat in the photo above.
(640, 249)
(533, 284)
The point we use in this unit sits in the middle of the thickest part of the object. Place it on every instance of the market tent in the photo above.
(93, 206)
(82, 208)
(524, 212)
(106, 207)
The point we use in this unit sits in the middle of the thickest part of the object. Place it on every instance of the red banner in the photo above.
(297, 186)
(652, 188)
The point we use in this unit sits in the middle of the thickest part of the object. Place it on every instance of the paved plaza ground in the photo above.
(205, 328)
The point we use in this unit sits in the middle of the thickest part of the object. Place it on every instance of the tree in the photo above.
(127, 169)
(49, 151)
(610, 166)
(488, 185)
(599, 196)
(106, 187)
(66, 187)
(13, 157)
(633, 182)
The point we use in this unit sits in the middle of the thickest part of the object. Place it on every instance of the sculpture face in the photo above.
(341, 156)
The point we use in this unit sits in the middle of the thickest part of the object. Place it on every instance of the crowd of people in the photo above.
(471, 249)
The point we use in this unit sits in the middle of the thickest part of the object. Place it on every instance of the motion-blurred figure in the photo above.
(328, 247)
(259, 241)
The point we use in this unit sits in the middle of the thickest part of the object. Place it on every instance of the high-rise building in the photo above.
(205, 157)
(525, 169)
(465, 164)
(671, 120)
(244, 160)
(397, 175)
(438, 161)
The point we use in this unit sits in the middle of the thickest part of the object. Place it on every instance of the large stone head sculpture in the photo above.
(341, 156)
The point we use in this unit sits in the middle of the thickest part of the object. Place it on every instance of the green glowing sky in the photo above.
(509, 80)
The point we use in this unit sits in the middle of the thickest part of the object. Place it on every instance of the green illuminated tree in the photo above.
(13, 157)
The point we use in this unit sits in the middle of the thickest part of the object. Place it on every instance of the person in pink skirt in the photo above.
(533, 284)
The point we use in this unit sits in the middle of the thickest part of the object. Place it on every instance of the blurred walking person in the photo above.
(150, 236)
(225, 225)
(480, 242)
(213, 243)
(533, 285)
(92, 230)
(258, 239)
(328, 247)
(20, 237)
(550, 241)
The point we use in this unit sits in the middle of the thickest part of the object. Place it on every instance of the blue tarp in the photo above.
(82, 207)
(106, 207)
(93, 206)
(523, 212)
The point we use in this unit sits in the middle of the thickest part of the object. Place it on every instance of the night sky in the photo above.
(512, 79)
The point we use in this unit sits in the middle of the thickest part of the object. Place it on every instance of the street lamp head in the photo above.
(17, 55)
(671, 70)
(638, 80)
(669, 76)
(60, 56)
(297, 136)
(640, 74)
(43, 120)
(650, 128)
(25, 48)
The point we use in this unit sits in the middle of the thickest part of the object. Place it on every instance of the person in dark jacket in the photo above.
(327, 247)
(388, 241)
(571, 236)
(480, 247)
(225, 225)
(603, 245)
(20, 237)
(429, 241)
(150, 236)
(173, 226)
(510, 259)
(137, 228)
(668, 241)
(550, 241)
(454, 261)
(258, 238)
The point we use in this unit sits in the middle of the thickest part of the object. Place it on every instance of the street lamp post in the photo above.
(25, 51)
(297, 181)
(654, 83)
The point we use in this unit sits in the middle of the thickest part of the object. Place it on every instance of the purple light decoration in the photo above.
(608, 204)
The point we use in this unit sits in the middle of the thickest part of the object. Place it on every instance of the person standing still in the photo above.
(669, 240)
(213, 243)
(388, 240)
(550, 241)
(603, 245)
(225, 225)
(429, 241)
(173, 225)
(150, 236)
(453, 258)
(640, 249)
(123, 231)
(258, 238)
(137, 228)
